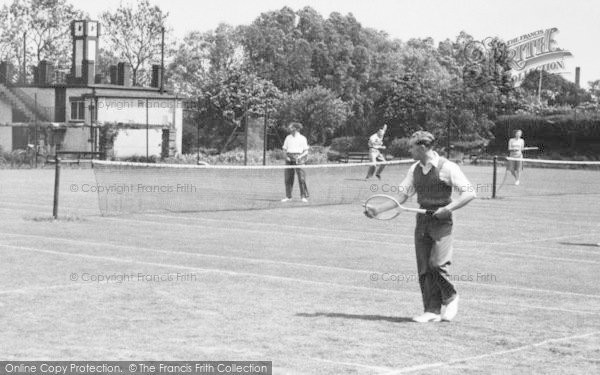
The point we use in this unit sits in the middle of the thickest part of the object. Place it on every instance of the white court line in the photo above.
(300, 265)
(584, 261)
(462, 221)
(199, 269)
(350, 364)
(487, 355)
(376, 242)
(186, 253)
(544, 239)
(378, 234)
(296, 227)
(39, 288)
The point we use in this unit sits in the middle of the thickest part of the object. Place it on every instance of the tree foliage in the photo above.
(133, 34)
(47, 23)
(318, 109)
(555, 89)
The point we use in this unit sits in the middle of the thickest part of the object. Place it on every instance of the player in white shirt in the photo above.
(296, 149)
(515, 150)
(375, 147)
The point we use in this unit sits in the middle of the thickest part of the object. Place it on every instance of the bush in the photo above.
(349, 144)
(317, 155)
(555, 127)
(334, 155)
(400, 147)
(138, 159)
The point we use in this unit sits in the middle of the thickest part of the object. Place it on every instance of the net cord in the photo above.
(245, 167)
(546, 161)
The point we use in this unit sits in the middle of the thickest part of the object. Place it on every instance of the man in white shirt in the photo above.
(375, 147)
(515, 150)
(433, 179)
(296, 149)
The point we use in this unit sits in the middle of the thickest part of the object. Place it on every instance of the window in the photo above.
(78, 110)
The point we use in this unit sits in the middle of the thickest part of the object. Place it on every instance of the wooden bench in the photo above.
(78, 156)
(356, 157)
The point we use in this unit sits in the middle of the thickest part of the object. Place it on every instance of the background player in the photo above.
(375, 155)
(296, 149)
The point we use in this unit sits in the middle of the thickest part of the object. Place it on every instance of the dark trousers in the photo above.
(289, 181)
(372, 168)
(433, 244)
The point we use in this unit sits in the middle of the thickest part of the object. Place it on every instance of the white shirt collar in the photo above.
(433, 162)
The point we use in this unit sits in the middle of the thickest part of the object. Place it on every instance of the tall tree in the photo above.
(318, 109)
(134, 34)
(47, 23)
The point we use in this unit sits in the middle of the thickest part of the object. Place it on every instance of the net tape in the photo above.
(247, 167)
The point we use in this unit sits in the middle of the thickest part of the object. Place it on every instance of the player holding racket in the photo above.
(515, 150)
(296, 149)
(375, 147)
(433, 179)
(516, 146)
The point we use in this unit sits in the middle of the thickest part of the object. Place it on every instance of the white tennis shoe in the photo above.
(427, 317)
(449, 311)
(304, 200)
(517, 183)
(286, 200)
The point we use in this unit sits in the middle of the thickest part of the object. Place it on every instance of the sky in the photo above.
(578, 21)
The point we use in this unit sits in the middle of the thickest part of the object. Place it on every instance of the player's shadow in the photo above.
(580, 244)
(393, 319)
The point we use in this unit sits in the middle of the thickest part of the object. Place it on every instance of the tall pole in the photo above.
(162, 59)
(448, 139)
(35, 141)
(56, 187)
(540, 88)
(246, 132)
(494, 176)
(197, 139)
(147, 131)
(265, 137)
(24, 56)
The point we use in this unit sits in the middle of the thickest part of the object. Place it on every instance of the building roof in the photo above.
(118, 92)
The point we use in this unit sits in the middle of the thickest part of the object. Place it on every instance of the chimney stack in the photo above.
(6, 73)
(45, 73)
(577, 76)
(114, 74)
(123, 74)
(156, 76)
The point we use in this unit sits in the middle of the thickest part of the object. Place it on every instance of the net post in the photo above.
(494, 176)
(56, 187)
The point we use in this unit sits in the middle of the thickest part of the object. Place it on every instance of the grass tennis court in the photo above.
(315, 289)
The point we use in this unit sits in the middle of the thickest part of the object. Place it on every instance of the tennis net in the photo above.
(139, 187)
(541, 177)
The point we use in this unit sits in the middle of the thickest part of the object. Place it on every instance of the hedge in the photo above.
(563, 130)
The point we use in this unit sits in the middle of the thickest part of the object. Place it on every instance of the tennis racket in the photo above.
(384, 207)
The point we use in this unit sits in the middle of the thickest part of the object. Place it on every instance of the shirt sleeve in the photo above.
(285, 143)
(305, 146)
(407, 186)
(457, 179)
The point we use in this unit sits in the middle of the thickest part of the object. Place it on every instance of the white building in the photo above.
(75, 112)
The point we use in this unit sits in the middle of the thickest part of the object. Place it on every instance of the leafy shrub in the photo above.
(138, 159)
(349, 144)
(317, 155)
(400, 147)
